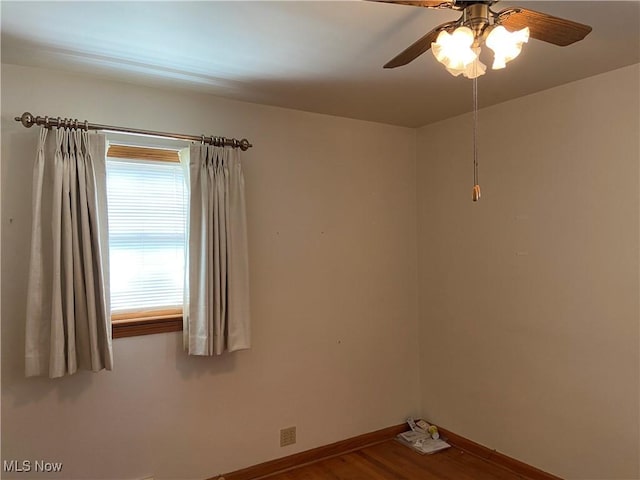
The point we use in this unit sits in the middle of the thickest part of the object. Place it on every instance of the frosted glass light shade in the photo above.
(454, 50)
(475, 69)
(506, 45)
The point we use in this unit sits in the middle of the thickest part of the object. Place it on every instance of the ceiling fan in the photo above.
(456, 44)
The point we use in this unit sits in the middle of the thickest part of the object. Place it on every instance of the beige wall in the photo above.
(529, 299)
(332, 209)
(528, 324)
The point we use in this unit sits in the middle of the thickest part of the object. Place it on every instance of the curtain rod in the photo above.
(28, 120)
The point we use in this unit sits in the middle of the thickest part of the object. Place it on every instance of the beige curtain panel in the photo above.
(216, 310)
(68, 324)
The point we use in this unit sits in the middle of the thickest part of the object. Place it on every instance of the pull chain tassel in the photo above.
(476, 187)
(476, 193)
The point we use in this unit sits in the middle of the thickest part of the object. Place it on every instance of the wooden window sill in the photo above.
(146, 323)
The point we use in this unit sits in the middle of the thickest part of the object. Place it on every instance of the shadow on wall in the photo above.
(21, 391)
(197, 366)
(34, 389)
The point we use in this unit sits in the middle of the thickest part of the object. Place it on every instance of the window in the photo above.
(147, 202)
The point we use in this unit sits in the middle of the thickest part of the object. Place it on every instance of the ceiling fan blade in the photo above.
(421, 3)
(419, 47)
(544, 27)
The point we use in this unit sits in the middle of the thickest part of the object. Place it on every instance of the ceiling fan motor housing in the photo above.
(462, 4)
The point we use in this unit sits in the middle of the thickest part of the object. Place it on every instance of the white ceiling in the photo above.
(320, 56)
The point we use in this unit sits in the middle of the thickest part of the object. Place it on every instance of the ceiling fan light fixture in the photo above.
(506, 45)
(454, 50)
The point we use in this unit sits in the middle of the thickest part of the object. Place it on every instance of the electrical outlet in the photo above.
(287, 436)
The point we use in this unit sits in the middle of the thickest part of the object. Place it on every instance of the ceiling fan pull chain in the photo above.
(476, 187)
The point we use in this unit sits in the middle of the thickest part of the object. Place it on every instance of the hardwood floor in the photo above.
(391, 460)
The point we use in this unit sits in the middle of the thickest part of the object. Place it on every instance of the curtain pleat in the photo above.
(68, 324)
(217, 316)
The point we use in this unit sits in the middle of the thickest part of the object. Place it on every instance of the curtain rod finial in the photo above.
(245, 145)
(26, 119)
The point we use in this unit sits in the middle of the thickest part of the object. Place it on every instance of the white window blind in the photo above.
(147, 203)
